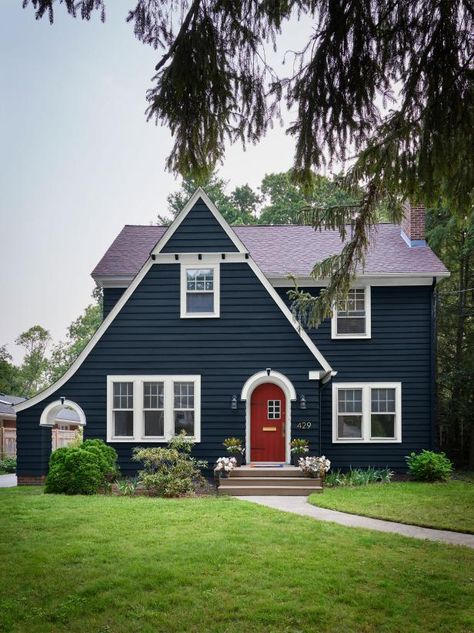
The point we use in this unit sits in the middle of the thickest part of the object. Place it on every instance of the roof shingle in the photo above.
(280, 250)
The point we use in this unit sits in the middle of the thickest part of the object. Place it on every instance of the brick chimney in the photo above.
(413, 225)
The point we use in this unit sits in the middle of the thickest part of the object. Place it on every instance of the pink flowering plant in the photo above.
(225, 465)
(314, 466)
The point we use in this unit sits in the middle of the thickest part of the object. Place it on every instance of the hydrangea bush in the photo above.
(225, 465)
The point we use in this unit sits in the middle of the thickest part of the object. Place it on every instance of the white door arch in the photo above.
(50, 413)
(260, 378)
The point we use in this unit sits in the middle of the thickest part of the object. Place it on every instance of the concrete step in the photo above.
(270, 481)
(281, 491)
(287, 471)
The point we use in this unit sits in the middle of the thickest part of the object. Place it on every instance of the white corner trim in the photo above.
(368, 318)
(274, 377)
(199, 193)
(289, 315)
(90, 345)
(366, 412)
(50, 413)
(215, 314)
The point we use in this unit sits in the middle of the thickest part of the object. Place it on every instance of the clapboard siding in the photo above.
(149, 337)
(400, 350)
(110, 298)
(199, 232)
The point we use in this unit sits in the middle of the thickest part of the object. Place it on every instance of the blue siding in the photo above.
(199, 232)
(400, 350)
(111, 296)
(148, 337)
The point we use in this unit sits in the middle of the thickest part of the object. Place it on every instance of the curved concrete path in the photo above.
(299, 505)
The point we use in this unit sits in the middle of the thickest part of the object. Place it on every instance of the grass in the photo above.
(447, 506)
(118, 564)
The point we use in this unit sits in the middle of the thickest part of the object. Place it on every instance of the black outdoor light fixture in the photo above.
(62, 398)
(302, 402)
(268, 370)
(233, 402)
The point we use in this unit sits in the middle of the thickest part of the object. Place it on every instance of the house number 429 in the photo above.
(303, 425)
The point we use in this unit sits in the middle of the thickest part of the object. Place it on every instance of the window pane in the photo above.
(274, 409)
(153, 395)
(349, 426)
(383, 400)
(154, 423)
(202, 279)
(383, 425)
(352, 325)
(354, 304)
(349, 400)
(123, 395)
(200, 302)
(184, 421)
(184, 395)
(123, 423)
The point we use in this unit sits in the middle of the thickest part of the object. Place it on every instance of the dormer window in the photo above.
(352, 316)
(199, 291)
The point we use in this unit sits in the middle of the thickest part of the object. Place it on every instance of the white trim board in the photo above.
(199, 193)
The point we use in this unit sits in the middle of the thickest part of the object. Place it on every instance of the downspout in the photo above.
(433, 368)
(325, 380)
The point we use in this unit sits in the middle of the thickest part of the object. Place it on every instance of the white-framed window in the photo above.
(367, 412)
(274, 409)
(153, 408)
(200, 290)
(352, 316)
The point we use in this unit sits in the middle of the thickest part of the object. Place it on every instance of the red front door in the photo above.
(267, 424)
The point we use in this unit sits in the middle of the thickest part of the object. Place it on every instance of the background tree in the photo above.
(32, 373)
(10, 383)
(78, 335)
(388, 83)
(452, 237)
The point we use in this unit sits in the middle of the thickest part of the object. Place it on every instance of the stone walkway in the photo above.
(8, 481)
(299, 505)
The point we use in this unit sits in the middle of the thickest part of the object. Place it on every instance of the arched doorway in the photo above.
(268, 424)
(275, 387)
(66, 419)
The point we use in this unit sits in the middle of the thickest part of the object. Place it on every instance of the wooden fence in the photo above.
(59, 438)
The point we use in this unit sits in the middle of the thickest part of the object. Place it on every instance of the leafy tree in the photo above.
(452, 237)
(9, 375)
(237, 208)
(287, 202)
(78, 335)
(387, 82)
(32, 373)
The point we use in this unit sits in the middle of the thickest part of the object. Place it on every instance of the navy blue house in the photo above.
(198, 335)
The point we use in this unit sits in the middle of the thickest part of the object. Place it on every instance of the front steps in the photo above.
(280, 481)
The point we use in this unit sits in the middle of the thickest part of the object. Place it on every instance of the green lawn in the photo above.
(114, 564)
(448, 506)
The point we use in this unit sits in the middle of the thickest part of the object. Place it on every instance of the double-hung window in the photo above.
(367, 412)
(352, 316)
(199, 291)
(153, 408)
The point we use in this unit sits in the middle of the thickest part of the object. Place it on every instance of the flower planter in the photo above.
(238, 458)
(295, 459)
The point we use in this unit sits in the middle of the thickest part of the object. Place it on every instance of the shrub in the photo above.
(127, 487)
(170, 472)
(233, 445)
(359, 477)
(429, 466)
(8, 465)
(81, 469)
(299, 446)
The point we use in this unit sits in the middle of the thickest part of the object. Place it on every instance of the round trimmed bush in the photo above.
(429, 466)
(81, 470)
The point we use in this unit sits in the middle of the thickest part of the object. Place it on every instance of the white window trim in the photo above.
(366, 412)
(138, 411)
(217, 290)
(368, 319)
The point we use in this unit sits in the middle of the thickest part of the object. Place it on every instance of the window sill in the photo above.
(362, 441)
(345, 337)
(200, 315)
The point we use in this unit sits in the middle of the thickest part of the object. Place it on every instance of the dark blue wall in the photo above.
(400, 350)
(148, 337)
(111, 296)
(199, 232)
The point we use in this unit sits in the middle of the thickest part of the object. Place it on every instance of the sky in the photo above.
(78, 159)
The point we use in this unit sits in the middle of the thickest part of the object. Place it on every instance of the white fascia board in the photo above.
(383, 279)
(199, 193)
(289, 315)
(113, 281)
(90, 345)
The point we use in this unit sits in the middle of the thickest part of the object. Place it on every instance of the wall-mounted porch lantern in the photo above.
(233, 402)
(302, 402)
